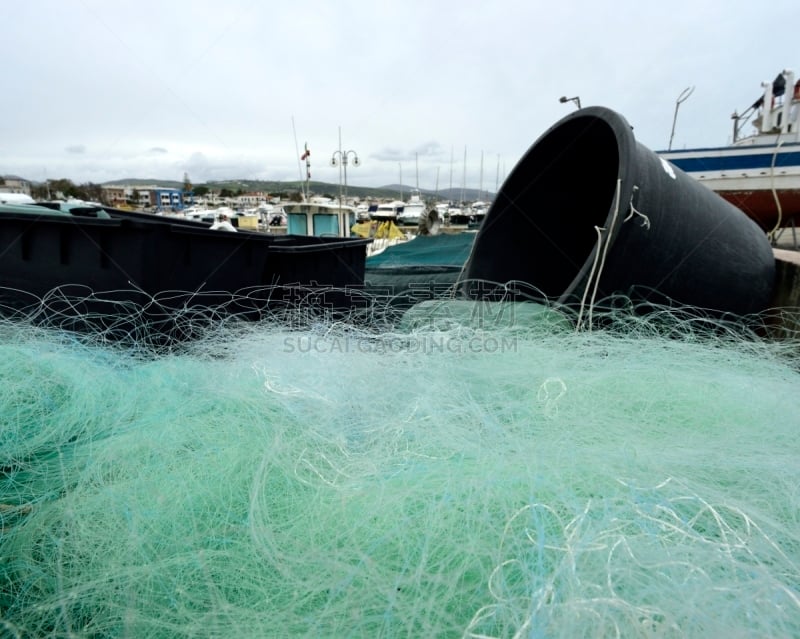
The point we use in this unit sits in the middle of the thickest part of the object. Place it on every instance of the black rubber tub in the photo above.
(589, 215)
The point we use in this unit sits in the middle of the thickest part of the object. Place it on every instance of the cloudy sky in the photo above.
(97, 90)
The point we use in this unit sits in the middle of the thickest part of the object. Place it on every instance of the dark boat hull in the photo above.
(159, 267)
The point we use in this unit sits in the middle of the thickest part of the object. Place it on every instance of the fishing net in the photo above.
(452, 469)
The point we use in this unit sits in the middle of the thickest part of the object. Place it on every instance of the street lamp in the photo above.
(340, 159)
(564, 99)
(684, 94)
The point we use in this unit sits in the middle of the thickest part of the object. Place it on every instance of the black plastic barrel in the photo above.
(590, 214)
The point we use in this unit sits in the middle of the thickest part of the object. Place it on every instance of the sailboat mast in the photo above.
(480, 188)
(464, 177)
(450, 190)
(307, 158)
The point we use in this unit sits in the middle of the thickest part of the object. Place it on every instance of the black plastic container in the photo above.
(79, 269)
(589, 214)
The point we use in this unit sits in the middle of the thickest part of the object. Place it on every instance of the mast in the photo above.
(480, 188)
(302, 157)
(450, 190)
(307, 157)
(464, 177)
(416, 162)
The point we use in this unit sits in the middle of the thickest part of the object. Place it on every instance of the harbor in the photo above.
(565, 406)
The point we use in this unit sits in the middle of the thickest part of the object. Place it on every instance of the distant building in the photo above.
(165, 198)
(116, 195)
(253, 199)
(213, 198)
(14, 184)
(146, 196)
(143, 196)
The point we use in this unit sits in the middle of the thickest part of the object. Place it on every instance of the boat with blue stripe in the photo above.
(760, 172)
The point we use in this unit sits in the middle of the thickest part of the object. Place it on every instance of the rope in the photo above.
(774, 192)
(597, 268)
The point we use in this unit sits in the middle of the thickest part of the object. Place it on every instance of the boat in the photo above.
(468, 214)
(478, 211)
(758, 173)
(442, 210)
(387, 210)
(77, 262)
(15, 198)
(268, 215)
(362, 212)
(383, 234)
(320, 217)
(323, 217)
(455, 215)
(413, 210)
(195, 212)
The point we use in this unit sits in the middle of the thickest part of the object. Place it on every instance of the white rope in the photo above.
(599, 230)
(771, 234)
(597, 268)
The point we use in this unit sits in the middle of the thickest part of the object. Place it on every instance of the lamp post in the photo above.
(564, 99)
(684, 94)
(340, 159)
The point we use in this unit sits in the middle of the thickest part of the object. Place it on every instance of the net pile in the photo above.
(462, 474)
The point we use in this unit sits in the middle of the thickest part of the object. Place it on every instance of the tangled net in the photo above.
(457, 469)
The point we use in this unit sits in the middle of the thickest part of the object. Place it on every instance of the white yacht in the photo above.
(413, 210)
(387, 210)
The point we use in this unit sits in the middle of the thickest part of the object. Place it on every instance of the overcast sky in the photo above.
(97, 90)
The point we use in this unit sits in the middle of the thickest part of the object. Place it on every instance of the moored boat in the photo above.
(413, 210)
(321, 217)
(387, 210)
(82, 262)
(758, 173)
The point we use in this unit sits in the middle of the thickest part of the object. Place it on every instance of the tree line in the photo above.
(67, 188)
(91, 192)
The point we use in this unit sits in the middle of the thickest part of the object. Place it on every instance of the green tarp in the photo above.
(445, 251)
(425, 266)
